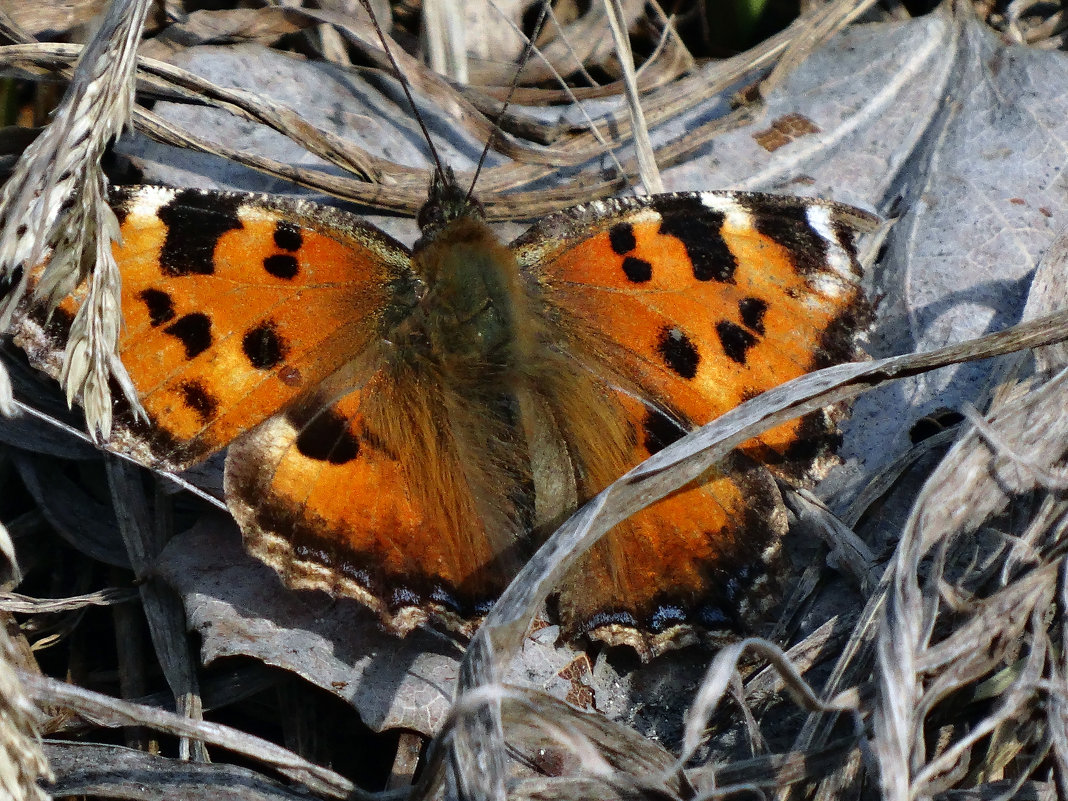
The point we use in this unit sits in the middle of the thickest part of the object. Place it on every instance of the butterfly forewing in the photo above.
(703, 300)
(235, 304)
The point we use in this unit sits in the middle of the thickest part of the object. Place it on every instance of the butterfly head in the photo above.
(447, 201)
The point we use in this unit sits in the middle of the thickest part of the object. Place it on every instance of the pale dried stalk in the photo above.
(55, 205)
(1016, 448)
(113, 713)
(22, 762)
(974, 482)
(444, 37)
(643, 145)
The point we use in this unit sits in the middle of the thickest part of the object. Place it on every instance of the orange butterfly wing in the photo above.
(235, 304)
(686, 305)
(333, 504)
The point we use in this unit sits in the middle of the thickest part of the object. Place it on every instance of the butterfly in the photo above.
(406, 426)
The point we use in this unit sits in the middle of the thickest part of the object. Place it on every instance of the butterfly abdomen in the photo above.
(451, 384)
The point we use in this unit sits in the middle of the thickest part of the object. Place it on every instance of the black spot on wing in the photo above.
(196, 396)
(193, 331)
(813, 440)
(638, 271)
(326, 438)
(838, 340)
(816, 439)
(282, 265)
(789, 227)
(736, 341)
(752, 311)
(698, 228)
(287, 236)
(660, 431)
(159, 304)
(195, 222)
(846, 235)
(621, 238)
(678, 352)
(263, 347)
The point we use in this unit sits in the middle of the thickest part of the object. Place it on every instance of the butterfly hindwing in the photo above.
(332, 497)
(694, 559)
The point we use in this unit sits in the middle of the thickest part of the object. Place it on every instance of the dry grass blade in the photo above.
(525, 714)
(942, 771)
(8, 405)
(111, 712)
(11, 29)
(14, 602)
(163, 608)
(406, 186)
(978, 478)
(207, 25)
(848, 551)
(643, 146)
(69, 433)
(810, 29)
(22, 762)
(107, 771)
(167, 81)
(444, 36)
(723, 670)
(55, 203)
(588, 749)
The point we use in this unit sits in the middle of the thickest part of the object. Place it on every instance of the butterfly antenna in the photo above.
(438, 168)
(528, 51)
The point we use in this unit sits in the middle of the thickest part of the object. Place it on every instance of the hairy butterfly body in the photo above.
(405, 427)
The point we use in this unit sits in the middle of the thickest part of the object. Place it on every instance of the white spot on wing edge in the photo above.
(275, 436)
(735, 215)
(829, 285)
(819, 217)
(148, 200)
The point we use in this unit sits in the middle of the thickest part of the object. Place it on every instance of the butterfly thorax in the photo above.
(473, 310)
